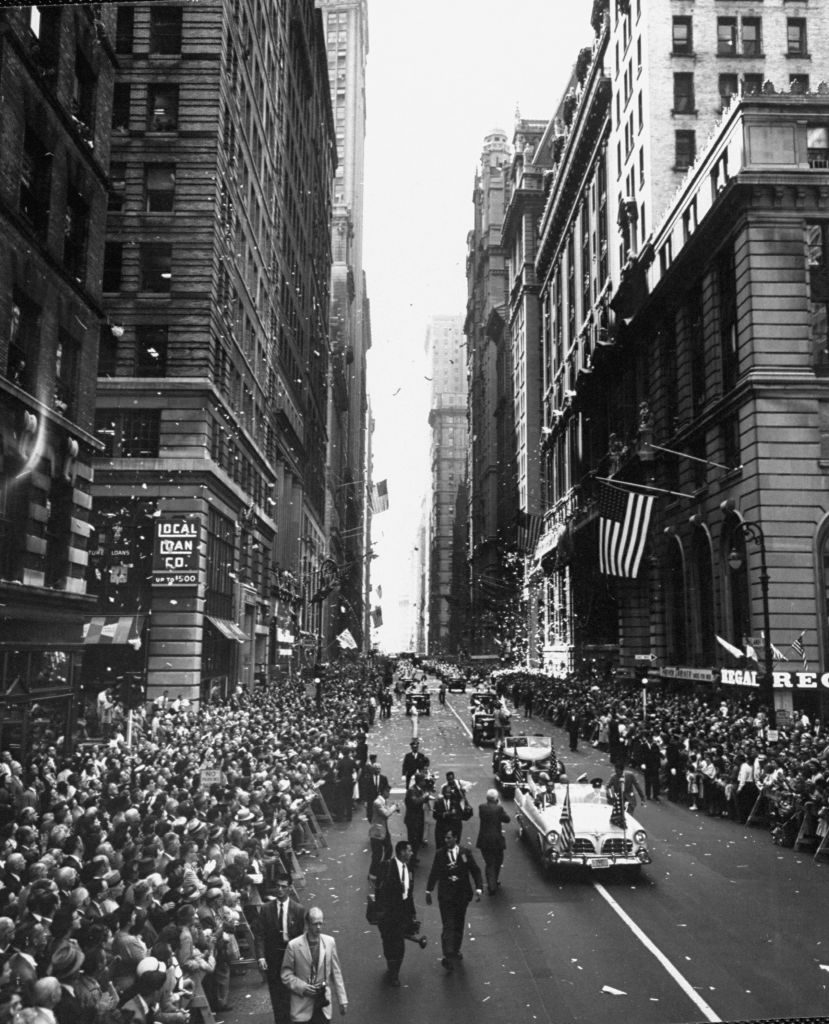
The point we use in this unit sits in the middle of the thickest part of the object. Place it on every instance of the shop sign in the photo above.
(782, 680)
(548, 541)
(176, 541)
(695, 675)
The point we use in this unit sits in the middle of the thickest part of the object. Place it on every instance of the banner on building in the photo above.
(529, 530)
(176, 550)
(346, 640)
(377, 617)
(783, 680)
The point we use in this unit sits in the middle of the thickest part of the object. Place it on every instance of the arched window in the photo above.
(676, 613)
(702, 597)
(737, 597)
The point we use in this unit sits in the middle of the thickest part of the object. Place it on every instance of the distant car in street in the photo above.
(518, 758)
(598, 842)
(484, 706)
(456, 682)
(419, 700)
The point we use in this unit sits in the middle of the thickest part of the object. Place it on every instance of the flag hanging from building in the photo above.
(380, 496)
(346, 640)
(624, 517)
(529, 530)
(377, 616)
(751, 654)
(735, 651)
(800, 650)
(617, 814)
(568, 835)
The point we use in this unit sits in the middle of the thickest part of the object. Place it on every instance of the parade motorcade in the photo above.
(595, 838)
(419, 700)
(518, 758)
(455, 680)
(484, 707)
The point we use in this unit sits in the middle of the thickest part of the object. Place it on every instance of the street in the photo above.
(722, 926)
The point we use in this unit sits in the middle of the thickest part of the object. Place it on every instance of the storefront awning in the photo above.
(113, 629)
(227, 628)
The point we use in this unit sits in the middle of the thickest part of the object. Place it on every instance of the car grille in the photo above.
(617, 846)
(584, 846)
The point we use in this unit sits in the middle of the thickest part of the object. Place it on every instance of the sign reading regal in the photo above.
(176, 543)
(782, 680)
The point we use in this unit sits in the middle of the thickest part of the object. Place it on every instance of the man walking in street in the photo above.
(454, 870)
(416, 801)
(491, 841)
(394, 903)
(274, 926)
(448, 810)
(310, 969)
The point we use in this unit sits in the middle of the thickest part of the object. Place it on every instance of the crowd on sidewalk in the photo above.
(131, 877)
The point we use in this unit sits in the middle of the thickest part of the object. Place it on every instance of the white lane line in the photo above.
(461, 722)
(679, 978)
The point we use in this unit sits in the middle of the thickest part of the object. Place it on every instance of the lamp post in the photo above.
(754, 533)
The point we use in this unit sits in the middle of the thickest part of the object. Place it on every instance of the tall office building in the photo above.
(349, 478)
(448, 454)
(493, 505)
(209, 494)
(57, 68)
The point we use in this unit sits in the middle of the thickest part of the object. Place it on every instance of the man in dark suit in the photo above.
(448, 809)
(414, 761)
(275, 925)
(416, 801)
(394, 902)
(491, 840)
(453, 871)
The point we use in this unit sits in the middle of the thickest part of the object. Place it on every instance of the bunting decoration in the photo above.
(624, 517)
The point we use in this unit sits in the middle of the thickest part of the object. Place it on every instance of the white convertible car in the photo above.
(596, 842)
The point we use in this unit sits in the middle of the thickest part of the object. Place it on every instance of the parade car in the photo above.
(599, 839)
(484, 706)
(519, 758)
(420, 701)
(455, 681)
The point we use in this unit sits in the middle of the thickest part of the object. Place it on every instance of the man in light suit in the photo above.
(310, 967)
(274, 926)
(491, 840)
(395, 907)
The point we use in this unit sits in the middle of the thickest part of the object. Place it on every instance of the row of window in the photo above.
(165, 29)
(161, 112)
(729, 85)
(739, 37)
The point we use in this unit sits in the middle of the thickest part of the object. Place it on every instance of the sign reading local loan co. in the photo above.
(176, 551)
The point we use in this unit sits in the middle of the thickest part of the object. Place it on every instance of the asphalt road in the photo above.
(722, 926)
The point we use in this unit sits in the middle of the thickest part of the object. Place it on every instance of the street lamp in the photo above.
(754, 533)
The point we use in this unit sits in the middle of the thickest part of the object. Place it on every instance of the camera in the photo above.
(321, 1000)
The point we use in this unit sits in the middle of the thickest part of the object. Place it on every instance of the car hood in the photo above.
(592, 818)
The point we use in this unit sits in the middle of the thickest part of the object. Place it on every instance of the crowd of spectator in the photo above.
(131, 876)
(714, 752)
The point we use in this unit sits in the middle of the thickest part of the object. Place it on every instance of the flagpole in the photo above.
(622, 484)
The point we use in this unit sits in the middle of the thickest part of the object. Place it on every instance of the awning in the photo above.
(227, 628)
(113, 629)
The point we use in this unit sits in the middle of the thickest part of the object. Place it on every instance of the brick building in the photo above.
(211, 400)
(56, 75)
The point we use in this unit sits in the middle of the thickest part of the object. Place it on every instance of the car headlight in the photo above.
(640, 836)
(552, 837)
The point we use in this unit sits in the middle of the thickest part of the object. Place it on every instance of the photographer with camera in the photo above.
(310, 969)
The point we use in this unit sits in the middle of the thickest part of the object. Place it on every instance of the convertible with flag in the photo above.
(576, 824)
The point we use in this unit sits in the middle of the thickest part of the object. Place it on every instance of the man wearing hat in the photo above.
(414, 761)
(278, 922)
(65, 966)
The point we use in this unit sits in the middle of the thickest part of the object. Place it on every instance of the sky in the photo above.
(441, 74)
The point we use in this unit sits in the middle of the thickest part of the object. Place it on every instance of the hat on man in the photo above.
(244, 815)
(67, 960)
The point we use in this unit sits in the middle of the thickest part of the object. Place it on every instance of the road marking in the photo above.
(461, 722)
(679, 978)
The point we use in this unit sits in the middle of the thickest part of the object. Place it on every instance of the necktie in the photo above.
(451, 857)
(283, 916)
(404, 881)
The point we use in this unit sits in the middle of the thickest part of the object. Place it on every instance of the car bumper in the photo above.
(598, 863)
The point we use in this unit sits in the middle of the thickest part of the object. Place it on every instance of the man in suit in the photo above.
(491, 840)
(394, 901)
(447, 810)
(453, 871)
(414, 761)
(274, 926)
(310, 967)
(416, 801)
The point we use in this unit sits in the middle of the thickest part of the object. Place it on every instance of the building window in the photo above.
(728, 87)
(683, 39)
(159, 187)
(121, 107)
(35, 182)
(67, 366)
(75, 229)
(675, 607)
(165, 29)
(817, 147)
(796, 37)
(685, 149)
(15, 504)
(727, 287)
(124, 25)
(726, 37)
(107, 352)
(117, 186)
(752, 37)
(702, 598)
(129, 433)
(156, 266)
(817, 268)
(684, 93)
(162, 108)
(150, 350)
(752, 84)
(696, 348)
(24, 341)
(799, 83)
(113, 266)
(83, 95)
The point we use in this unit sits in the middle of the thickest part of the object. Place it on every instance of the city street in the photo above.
(722, 926)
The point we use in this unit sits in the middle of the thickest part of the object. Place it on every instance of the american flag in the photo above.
(380, 497)
(568, 835)
(529, 530)
(624, 517)
(617, 814)
(799, 649)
